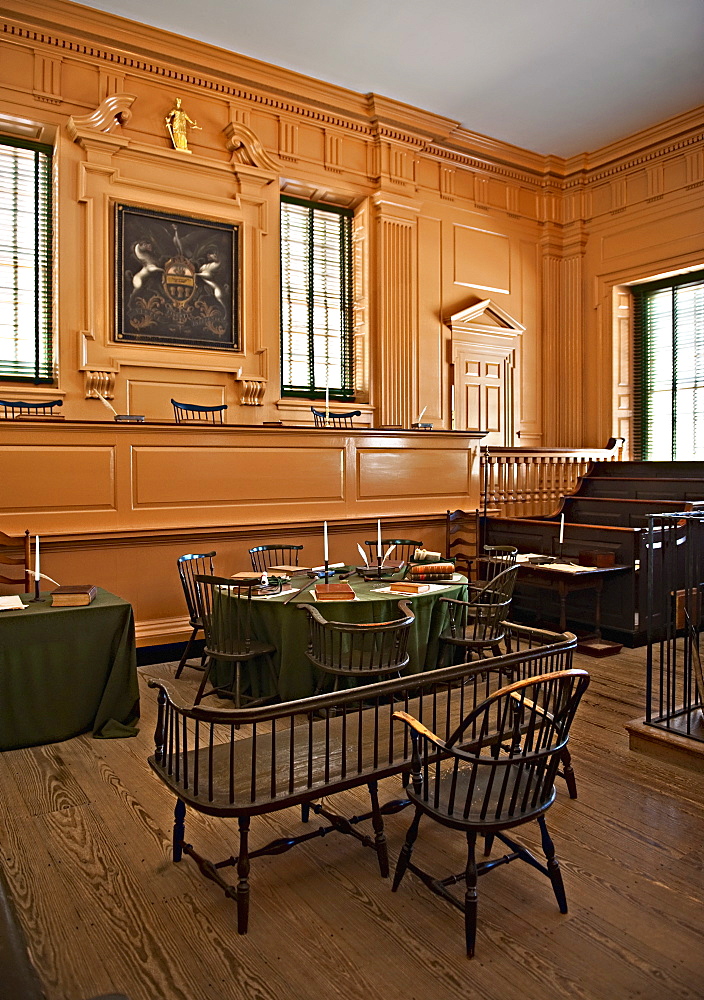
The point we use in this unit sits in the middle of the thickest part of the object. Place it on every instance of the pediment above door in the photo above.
(484, 317)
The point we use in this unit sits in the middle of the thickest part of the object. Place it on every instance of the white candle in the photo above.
(378, 540)
(562, 527)
(36, 557)
(327, 402)
(325, 541)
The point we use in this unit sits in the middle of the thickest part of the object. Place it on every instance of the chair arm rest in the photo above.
(532, 706)
(173, 692)
(418, 727)
(313, 612)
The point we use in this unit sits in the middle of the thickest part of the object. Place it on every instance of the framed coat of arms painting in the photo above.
(176, 280)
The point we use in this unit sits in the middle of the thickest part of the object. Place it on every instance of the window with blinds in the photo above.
(669, 368)
(25, 262)
(316, 300)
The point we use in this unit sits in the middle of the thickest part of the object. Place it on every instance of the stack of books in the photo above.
(73, 597)
(429, 572)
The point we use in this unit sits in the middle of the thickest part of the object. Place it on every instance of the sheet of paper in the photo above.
(11, 603)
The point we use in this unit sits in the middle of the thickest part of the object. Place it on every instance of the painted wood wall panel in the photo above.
(414, 472)
(57, 477)
(224, 476)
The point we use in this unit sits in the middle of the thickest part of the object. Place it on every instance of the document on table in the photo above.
(11, 603)
(533, 559)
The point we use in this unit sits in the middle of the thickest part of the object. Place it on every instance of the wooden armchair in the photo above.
(189, 566)
(403, 551)
(495, 772)
(461, 533)
(225, 608)
(188, 413)
(477, 626)
(369, 652)
(334, 419)
(9, 409)
(264, 556)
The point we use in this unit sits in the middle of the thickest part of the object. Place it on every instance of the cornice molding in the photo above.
(68, 28)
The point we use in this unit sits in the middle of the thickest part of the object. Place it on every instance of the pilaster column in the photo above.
(394, 377)
(563, 326)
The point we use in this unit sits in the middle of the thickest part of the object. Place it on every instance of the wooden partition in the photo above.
(116, 504)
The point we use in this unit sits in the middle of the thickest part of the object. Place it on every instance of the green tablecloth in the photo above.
(285, 626)
(67, 670)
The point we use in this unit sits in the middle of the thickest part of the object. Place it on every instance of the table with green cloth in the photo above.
(64, 671)
(280, 621)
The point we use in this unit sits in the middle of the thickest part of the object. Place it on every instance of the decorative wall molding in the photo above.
(112, 112)
(251, 388)
(246, 148)
(99, 384)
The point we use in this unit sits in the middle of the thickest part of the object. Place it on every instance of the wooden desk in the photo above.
(565, 582)
(67, 670)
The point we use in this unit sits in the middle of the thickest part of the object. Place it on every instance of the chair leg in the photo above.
(203, 681)
(186, 654)
(242, 891)
(568, 773)
(179, 830)
(406, 851)
(488, 844)
(470, 895)
(382, 851)
(238, 684)
(553, 866)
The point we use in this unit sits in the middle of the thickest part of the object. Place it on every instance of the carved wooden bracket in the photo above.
(246, 148)
(113, 111)
(252, 389)
(98, 384)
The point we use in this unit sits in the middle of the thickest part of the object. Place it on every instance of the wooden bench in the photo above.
(242, 762)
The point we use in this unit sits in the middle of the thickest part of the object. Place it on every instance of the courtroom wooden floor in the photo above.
(85, 831)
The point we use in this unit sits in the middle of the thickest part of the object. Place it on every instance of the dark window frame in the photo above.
(644, 360)
(41, 369)
(340, 382)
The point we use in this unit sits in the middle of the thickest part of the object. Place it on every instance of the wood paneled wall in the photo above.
(116, 504)
(445, 220)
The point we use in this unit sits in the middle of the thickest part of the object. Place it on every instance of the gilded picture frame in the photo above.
(176, 280)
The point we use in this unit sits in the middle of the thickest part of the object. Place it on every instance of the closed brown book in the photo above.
(407, 587)
(73, 597)
(288, 570)
(333, 592)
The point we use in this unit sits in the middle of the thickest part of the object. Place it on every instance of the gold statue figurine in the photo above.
(177, 123)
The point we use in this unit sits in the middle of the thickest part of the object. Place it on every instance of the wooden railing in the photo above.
(522, 482)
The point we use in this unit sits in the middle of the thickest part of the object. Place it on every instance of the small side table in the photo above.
(552, 577)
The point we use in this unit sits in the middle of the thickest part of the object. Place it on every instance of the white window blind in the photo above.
(316, 300)
(669, 367)
(25, 262)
